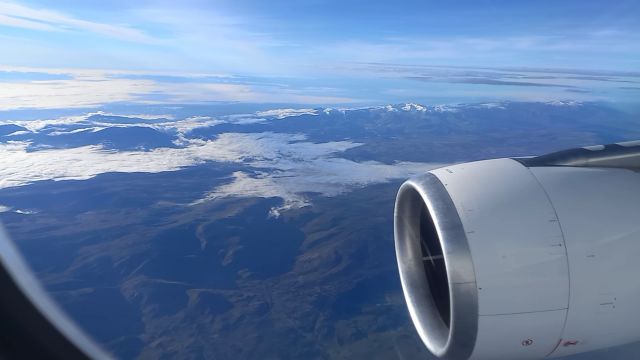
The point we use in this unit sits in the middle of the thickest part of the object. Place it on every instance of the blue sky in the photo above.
(60, 53)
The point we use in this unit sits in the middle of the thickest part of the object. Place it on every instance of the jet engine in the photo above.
(523, 258)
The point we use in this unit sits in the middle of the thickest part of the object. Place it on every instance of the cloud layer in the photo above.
(17, 15)
(82, 88)
(277, 165)
(42, 88)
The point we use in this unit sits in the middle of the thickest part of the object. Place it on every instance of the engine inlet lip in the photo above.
(457, 340)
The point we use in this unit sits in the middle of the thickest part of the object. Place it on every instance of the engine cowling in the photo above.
(501, 259)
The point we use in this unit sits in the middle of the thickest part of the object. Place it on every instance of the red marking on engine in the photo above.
(570, 343)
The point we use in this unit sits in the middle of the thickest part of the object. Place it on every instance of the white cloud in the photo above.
(39, 124)
(492, 105)
(488, 50)
(25, 24)
(290, 179)
(206, 92)
(21, 132)
(89, 129)
(89, 73)
(281, 165)
(94, 88)
(25, 212)
(22, 16)
(261, 184)
(19, 167)
(75, 93)
(5, 209)
(213, 39)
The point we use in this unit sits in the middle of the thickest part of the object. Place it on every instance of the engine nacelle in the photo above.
(501, 259)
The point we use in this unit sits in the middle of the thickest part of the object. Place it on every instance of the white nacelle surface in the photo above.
(556, 255)
(599, 211)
